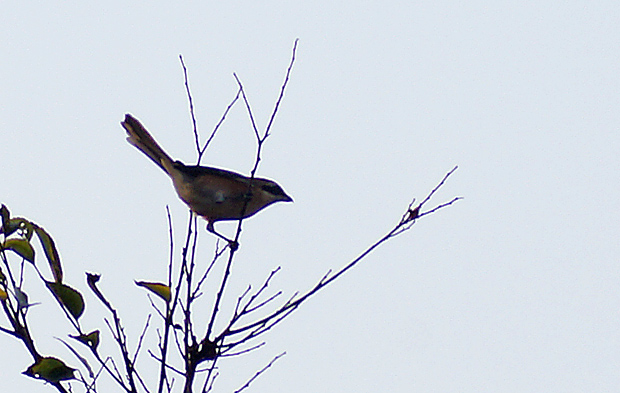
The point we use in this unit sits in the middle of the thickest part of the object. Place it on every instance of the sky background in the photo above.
(516, 288)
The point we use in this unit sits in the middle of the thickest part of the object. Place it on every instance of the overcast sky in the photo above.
(516, 288)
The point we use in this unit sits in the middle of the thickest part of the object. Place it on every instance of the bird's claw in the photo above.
(234, 245)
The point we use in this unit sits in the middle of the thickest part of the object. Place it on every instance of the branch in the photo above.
(191, 105)
(247, 384)
(405, 223)
(117, 332)
(260, 140)
(288, 74)
(217, 126)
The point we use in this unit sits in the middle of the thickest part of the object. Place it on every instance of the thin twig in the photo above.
(217, 126)
(247, 384)
(247, 105)
(275, 317)
(139, 346)
(243, 352)
(216, 256)
(240, 299)
(263, 303)
(8, 331)
(191, 104)
(181, 373)
(208, 385)
(438, 186)
(286, 79)
(169, 307)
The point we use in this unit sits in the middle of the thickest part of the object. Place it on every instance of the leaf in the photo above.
(50, 369)
(10, 225)
(92, 279)
(22, 299)
(91, 339)
(161, 290)
(68, 297)
(50, 252)
(3, 295)
(14, 224)
(21, 247)
(5, 215)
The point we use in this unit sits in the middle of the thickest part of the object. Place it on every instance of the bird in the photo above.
(212, 193)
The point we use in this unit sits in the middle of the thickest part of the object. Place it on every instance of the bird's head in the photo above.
(273, 191)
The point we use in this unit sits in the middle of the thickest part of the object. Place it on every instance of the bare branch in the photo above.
(79, 357)
(139, 346)
(216, 256)
(154, 306)
(220, 293)
(160, 361)
(263, 303)
(243, 351)
(246, 310)
(117, 332)
(240, 299)
(438, 186)
(247, 384)
(433, 210)
(217, 126)
(260, 140)
(286, 79)
(209, 381)
(266, 323)
(8, 331)
(247, 105)
(170, 307)
(191, 105)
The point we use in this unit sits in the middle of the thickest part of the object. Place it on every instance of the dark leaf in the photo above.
(18, 223)
(68, 297)
(5, 215)
(50, 369)
(50, 252)
(21, 247)
(91, 339)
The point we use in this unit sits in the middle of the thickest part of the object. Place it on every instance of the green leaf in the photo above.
(10, 225)
(50, 369)
(68, 297)
(91, 339)
(21, 247)
(18, 223)
(50, 252)
(161, 290)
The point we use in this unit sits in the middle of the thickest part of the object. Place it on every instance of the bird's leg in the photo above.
(231, 243)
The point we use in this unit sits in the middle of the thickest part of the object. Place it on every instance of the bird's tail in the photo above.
(140, 138)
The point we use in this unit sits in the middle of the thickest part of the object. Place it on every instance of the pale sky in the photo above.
(516, 288)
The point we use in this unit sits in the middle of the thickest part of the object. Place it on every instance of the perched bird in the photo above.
(212, 193)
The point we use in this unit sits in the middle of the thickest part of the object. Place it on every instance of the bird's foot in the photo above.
(234, 245)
